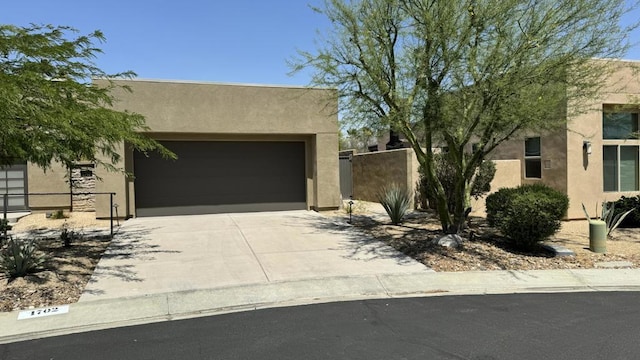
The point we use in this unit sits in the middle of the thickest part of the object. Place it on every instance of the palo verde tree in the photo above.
(452, 73)
(49, 109)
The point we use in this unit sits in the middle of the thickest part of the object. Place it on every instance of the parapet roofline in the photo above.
(203, 82)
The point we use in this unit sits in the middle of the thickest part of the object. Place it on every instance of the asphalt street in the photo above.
(594, 325)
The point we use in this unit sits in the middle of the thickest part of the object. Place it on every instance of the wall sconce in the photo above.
(586, 147)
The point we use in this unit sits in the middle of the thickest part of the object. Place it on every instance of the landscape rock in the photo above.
(449, 240)
(559, 250)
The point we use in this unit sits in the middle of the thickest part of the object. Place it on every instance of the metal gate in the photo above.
(346, 179)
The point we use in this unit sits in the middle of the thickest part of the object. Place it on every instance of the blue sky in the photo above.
(237, 41)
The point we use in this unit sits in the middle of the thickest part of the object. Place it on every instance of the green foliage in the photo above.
(482, 182)
(396, 200)
(527, 214)
(446, 174)
(58, 214)
(4, 226)
(625, 204)
(20, 257)
(611, 218)
(496, 206)
(452, 73)
(357, 139)
(49, 108)
(68, 236)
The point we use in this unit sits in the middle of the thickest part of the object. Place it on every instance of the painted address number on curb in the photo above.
(54, 310)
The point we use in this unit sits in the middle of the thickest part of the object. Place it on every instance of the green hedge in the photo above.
(527, 214)
(624, 204)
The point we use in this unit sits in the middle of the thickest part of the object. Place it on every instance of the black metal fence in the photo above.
(112, 206)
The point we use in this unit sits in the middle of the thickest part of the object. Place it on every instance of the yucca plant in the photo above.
(20, 257)
(396, 201)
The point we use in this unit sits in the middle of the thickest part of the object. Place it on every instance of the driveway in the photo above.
(176, 253)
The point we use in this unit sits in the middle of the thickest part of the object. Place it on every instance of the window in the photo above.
(13, 181)
(532, 158)
(620, 156)
(619, 125)
(621, 165)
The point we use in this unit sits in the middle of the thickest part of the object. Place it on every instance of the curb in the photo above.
(129, 311)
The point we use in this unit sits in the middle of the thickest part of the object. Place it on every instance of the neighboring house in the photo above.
(597, 157)
(240, 148)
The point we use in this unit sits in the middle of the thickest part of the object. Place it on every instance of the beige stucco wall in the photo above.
(218, 112)
(326, 172)
(552, 153)
(585, 172)
(53, 180)
(507, 175)
(372, 171)
(572, 170)
(192, 107)
(113, 182)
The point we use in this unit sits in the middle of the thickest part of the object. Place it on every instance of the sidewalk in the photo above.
(126, 311)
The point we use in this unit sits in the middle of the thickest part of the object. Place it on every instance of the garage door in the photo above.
(221, 176)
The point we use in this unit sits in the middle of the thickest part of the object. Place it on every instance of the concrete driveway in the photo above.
(176, 253)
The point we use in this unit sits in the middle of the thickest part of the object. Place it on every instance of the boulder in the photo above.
(449, 240)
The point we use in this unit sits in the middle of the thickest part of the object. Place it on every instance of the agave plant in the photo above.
(20, 257)
(396, 201)
(611, 220)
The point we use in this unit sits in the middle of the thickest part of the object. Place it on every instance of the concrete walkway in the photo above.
(177, 253)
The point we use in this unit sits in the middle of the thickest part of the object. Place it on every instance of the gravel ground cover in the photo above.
(485, 248)
(68, 269)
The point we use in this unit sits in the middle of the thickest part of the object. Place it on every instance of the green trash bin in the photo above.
(598, 236)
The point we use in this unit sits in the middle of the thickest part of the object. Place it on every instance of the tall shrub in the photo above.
(445, 173)
(527, 214)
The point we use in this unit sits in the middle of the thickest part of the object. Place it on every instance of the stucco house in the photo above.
(240, 148)
(595, 158)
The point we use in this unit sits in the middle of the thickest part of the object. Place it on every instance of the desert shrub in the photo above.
(496, 204)
(625, 204)
(396, 200)
(67, 236)
(20, 257)
(446, 174)
(527, 214)
(4, 227)
(57, 215)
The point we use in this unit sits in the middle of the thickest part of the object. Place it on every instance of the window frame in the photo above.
(533, 158)
(618, 169)
(611, 140)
